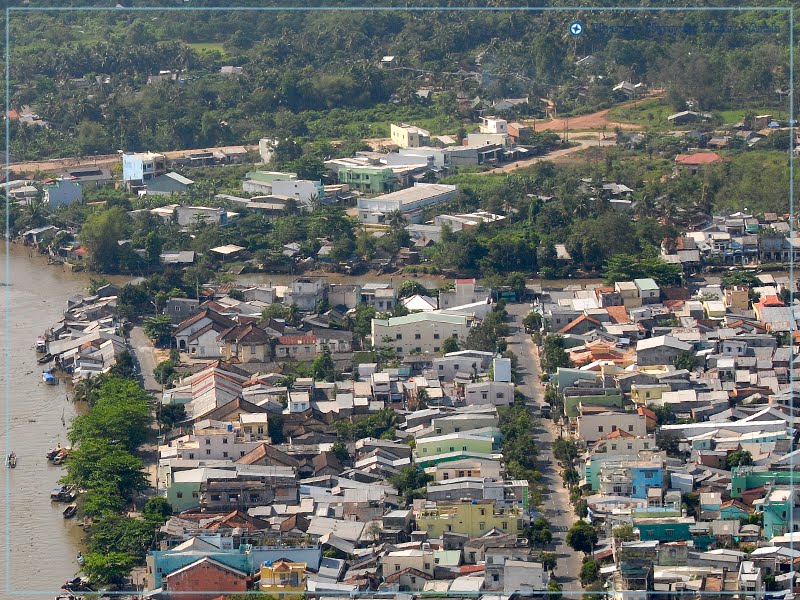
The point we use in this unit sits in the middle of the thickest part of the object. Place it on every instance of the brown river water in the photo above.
(42, 546)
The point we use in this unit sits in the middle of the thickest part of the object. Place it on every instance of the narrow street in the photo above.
(142, 349)
(556, 507)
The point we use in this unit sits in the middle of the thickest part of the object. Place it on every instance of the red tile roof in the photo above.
(297, 340)
(698, 158)
(577, 322)
(618, 314)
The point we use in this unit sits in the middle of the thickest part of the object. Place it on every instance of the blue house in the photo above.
(645, 477)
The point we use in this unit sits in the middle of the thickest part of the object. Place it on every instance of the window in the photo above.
(449, 528)
(646, 445)
(461, 473)
(427, 565)
(195, 494)
(208, 452)
(649, 475)
(436, 348)
(495, 577)
(399, 336)
(397, 567)
(464, 448)
(452, 448)
(501, 395)
(233, 498)
(253, 497)
(482, 525)
(613, 446)
(630, 427)
(483, 511)
(179, 494)
(399, 349)
(417, 336)
(441, 367)
(484, 395)
(191, 455)
(224, 455)
(505, 524)
(600, 429)
(241, 453)
(436, 336)
(215, 497)
(413, 579)
(613, 428)
(208, 441)
(224, 440)
(630, 446)
(417, 349)
(446, 476)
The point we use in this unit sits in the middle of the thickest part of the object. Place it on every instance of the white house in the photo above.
(419, 332)
(63, 191)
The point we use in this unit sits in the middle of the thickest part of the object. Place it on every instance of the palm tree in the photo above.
(396, 220)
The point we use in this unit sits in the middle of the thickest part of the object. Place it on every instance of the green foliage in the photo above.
(520, 448)
(170, 414)
(375, 425)
(450, 344)
(339, 450)
(108, 567)
(590, 571)
(100, 233)
(164, 372)
(532, 322)
(159, 329)
(625, 267)
(539, 532)
(410, 287)
(664, 414)
(553, 355)
(487, 336)
(739, 278)
(624, 532)
(548, 560)
(411, 482)
(119, 533)
(739, 458)
(323, 368)
(554, 588)
(685, 360)
(275, 311)
(565, 450)
(157, 509)
(121, 414)
(124, 366)
(275, 429)
(581, 537)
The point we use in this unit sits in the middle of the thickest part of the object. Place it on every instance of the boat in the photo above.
(70, 511)
(52, 452)
(45, 359)
(49, 377)
(41, 344)
(61, 456)
(11, 461)
(80, 558)
(58, 494)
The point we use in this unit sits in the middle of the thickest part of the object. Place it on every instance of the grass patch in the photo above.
(651, 113)
(736, 115)
(207, 47)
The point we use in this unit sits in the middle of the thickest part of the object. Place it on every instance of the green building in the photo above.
(747, 478)
(367, 179)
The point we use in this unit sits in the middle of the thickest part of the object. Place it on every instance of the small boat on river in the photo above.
(49, 377)
(11, 461)
(70, 511)
(41, 344)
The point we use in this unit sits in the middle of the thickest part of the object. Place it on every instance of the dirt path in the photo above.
(596, 120)
(552, 156)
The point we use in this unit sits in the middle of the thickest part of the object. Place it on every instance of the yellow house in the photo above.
(648, 393)
(282, 578)
(470, 517)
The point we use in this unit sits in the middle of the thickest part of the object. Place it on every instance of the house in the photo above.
(168, 184)
(296, 347)
(684, 117)
(180, 309)
(198, 334)
(245, 343)
(661, 350)
(62, 192)
(306, 293)
(181, 258)
(363, 176)
(399, 560)
(283, 578)
(493, 125)
(194, 215)
(419, 332)
(139, 168)
(229, 71)
(453, 442)
(409, 202)
(465, 291)
(595, 423)
(89, 177)
(409, 136)
(473, 518)
(495, 393)
(649, 292)
(205, 579)
(693, 163)
(629, 293)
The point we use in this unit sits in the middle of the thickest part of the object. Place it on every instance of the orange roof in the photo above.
(770, 301)
(13, 114)
(673, 303)
(698, 158)
(578, 321)
(467, 569)
(643, 410)
(619, 433)
(297, 340)
(618, 314)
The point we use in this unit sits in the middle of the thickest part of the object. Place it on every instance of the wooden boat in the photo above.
(70, 511)
(52, 452)
(58, 494)
(61, 456)
(11, 461)
(45, 359)
(80, 558)
(41, 344)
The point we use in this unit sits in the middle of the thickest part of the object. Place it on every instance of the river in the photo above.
(43, 545)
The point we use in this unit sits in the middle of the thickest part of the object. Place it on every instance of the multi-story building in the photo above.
(409, 136)
(283, 578)
(419, 332)
(363, 177)
(140, 167)
(62, 192)
(453, 442)
(597, 422)
(495, 393)
(465, 291)
(306, 292)
(473, 518)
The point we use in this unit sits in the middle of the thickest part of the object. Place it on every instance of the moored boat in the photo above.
(41, 344)
(70, 511)
(52, 452)
(45, 359)
(49, 377)
(11, 461)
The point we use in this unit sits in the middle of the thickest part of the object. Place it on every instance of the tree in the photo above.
(323, 367)
(581, 537)
(108, 568)
(565, 451)
(164, 372)
(532, 322)
(739, 458)
(170, 414)
(553, 354)
(411, 287)
(590, 571)
(157, 509)
(664, 414)
(410, 482)
(100, 233)
(274, 311)
(339, 450)
(120, 533)
(450, 344)
(685, 360)
(554, 588)
(539, 533)
(158, 329)
(548, 560)
(624, 532)
(275, 429)
(124, 365)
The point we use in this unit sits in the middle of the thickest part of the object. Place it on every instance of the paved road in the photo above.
(143, 351)
(555, 507)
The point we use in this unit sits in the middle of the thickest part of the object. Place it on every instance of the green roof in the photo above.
(421, 317)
